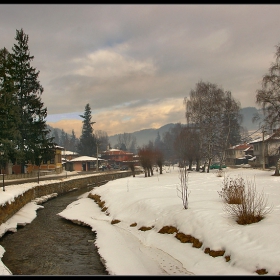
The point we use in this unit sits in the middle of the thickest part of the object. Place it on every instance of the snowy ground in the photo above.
(154, 202)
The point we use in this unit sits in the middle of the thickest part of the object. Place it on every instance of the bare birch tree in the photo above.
(214, 113)
(269, 95)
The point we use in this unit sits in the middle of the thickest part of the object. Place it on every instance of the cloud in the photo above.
(123, 119)
(128, 60)
(106, 64)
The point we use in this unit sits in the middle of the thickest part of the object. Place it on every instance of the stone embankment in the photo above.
(9, 209)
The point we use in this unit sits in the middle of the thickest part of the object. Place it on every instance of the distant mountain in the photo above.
(145, 135)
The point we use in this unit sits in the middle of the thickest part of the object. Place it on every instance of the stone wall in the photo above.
(8, 210)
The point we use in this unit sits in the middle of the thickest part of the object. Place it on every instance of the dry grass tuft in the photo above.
(227, 258)
(95, 197)
(101, 204)
(168, 229)
(261, 271)
(115, 222)
(213, 253)
(196, 243)
(145, 228)
(186, 238)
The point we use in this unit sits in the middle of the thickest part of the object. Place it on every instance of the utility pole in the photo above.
(96, 156)
(263, 131)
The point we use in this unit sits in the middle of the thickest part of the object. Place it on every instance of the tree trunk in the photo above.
(276, 173)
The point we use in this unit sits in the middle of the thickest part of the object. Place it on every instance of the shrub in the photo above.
(252, 207)
(233, 190)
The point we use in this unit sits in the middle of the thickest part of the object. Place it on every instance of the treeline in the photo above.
(63, 139)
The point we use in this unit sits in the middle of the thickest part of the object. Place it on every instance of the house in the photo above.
(67, 156)
(84, 163)
(53, 165)
(266, 149)
(239, 154)
(117, 157)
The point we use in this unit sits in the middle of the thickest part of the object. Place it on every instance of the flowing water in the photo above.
(51, 245)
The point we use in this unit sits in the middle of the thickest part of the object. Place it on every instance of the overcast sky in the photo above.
(135, 64)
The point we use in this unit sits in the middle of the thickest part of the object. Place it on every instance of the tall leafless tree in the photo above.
(269, 95)
(206, 110)
(127, 141)
(102, 139)
(228, 133)
(269, 99)
(159, 159)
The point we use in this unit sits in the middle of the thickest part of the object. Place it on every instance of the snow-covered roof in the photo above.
(260, 139)
(243, 147)
(63, 152)
(85, 158)
(273, 136)
(59, 147)
(116, 151)
(251, 159)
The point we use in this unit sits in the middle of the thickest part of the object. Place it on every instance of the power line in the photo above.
(247, 137)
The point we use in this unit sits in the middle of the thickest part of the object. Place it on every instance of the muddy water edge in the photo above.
(52, 245)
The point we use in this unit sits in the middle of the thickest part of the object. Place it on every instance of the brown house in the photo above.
(117, 157)
(53, 165)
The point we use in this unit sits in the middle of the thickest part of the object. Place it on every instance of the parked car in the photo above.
(102, 167)
(124, 167)
(116, 167)
(216, 165)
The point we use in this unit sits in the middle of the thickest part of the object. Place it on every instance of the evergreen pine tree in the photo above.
(73, 142)
(9, 111)
(56, 137)
(66, 142)
(158, 144)
(63, 138)
(35, 136)
(87, 144)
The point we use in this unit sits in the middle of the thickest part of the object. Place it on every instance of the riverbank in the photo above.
(51, 245)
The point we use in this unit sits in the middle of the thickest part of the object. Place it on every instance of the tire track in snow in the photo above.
(166, 262)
